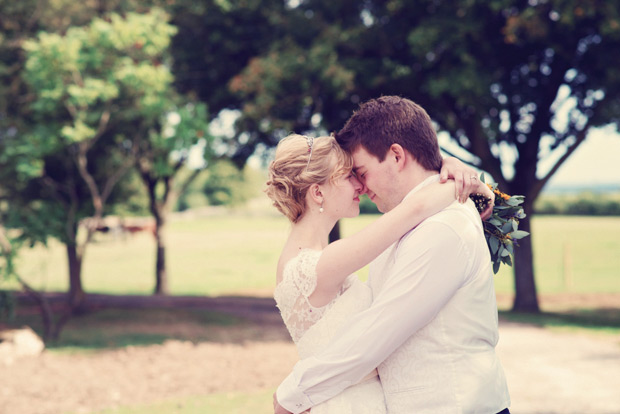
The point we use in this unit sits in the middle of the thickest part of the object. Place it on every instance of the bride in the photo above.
(311, 183)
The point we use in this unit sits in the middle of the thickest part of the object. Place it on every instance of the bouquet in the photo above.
(502, 228)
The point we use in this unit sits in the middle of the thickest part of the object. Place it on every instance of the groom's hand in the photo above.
(277, 408)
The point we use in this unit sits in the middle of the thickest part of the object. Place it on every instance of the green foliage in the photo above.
(130, 197)
(168, 144)
(215, 42)
(221, 184)
(225, 184)
(88, 71)
(583, 204)
(367, 206)
(91, 86)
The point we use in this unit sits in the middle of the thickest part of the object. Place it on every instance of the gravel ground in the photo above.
(559, 372)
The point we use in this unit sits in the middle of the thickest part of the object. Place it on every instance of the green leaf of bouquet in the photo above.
(505, 252)
(507, 227)
(496, 266)
(494, 243)
(509, 246)
(519, 234)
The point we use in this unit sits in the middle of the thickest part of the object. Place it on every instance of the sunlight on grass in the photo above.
(258, 402)
(571, 254)
(237, 254)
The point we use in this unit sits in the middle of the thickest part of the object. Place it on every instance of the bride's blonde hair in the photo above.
(300, 162)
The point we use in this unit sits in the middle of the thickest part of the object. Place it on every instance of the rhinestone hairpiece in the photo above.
(310, 142)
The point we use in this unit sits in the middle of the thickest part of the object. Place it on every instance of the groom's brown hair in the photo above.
(387, 120)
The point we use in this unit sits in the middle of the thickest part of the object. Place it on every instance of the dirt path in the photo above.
(548, 371)
(559, 372)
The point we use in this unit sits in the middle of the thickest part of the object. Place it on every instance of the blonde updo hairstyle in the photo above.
(290, 174)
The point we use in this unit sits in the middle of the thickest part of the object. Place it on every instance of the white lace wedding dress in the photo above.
(312, 328)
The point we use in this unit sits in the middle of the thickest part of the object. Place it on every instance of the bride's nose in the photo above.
(359, 187)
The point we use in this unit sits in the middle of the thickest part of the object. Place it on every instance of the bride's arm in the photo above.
(343, 257)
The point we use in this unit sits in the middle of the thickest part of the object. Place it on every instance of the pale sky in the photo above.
(597, 160)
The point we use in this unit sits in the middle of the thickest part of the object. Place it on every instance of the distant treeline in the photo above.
(582, 204)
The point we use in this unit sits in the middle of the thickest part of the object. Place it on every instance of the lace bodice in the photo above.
(292, 293)
(312, 328)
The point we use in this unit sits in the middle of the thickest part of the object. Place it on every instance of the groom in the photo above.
(432, 327)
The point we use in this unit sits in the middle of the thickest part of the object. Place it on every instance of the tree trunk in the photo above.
(161, 276)
(76, 292)
(526, 299)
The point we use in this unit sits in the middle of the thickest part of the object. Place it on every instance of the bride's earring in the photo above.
(321, 208)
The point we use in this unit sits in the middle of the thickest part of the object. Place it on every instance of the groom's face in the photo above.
(378, 178)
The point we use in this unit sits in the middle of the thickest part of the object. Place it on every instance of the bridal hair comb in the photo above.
(310, 142)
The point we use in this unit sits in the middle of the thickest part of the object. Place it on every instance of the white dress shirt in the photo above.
(431, 329)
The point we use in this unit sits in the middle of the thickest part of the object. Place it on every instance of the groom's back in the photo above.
(450, 365)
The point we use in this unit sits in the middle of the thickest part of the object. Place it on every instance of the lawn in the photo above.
(236, 253)
(229, 403)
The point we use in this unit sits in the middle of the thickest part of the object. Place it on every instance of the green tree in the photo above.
(89, 86)
(216, 41)
(226, 185)
(512, 82)
(162, 153)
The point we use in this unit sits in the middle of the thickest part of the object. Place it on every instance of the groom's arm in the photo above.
(427, 272)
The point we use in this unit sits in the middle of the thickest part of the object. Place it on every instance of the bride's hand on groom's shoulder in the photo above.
(466, 182)
(465, 178)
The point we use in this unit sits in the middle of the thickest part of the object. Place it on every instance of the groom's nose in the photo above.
(362, 188)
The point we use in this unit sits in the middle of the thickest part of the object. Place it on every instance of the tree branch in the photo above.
(579, 138)
(103, 124)
(82, 164)
(122, 170)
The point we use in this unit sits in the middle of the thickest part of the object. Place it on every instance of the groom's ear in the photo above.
(398, 155)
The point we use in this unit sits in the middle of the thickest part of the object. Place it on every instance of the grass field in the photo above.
(237, 253)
